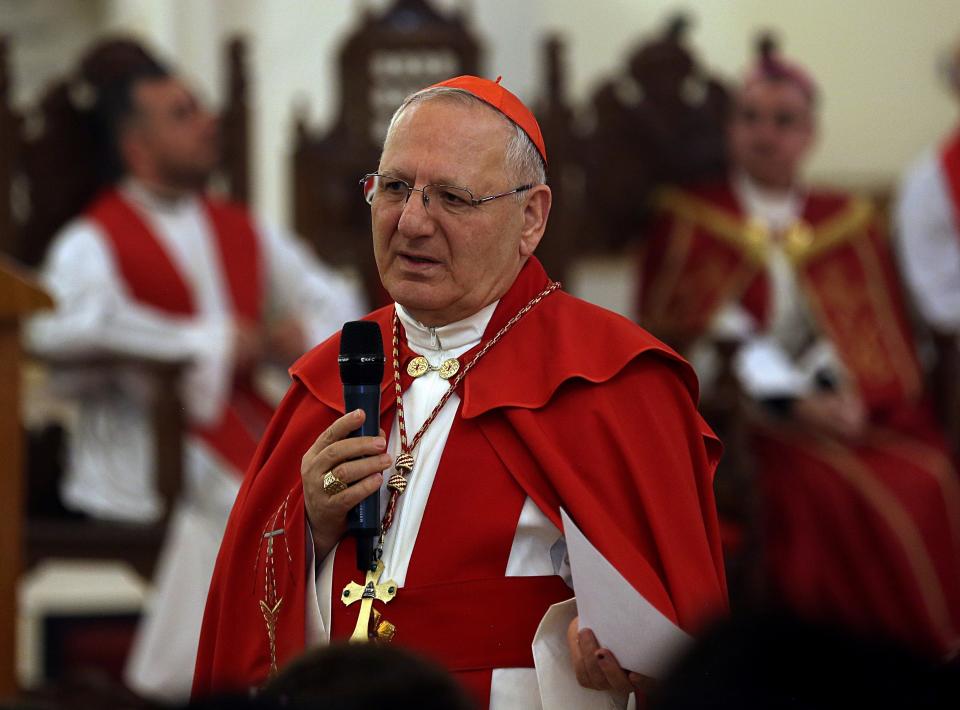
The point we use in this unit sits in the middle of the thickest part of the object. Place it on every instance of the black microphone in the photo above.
(361, 371)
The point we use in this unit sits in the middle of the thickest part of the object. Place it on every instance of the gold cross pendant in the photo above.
(366, 594)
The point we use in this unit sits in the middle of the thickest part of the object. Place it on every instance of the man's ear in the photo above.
(536, 210)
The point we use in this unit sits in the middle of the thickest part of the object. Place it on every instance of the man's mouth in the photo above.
(417, 259)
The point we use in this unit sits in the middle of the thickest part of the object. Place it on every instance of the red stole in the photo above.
(950, 165)
(851, 283)
(153, 279)
(703, 252)
(698, 254)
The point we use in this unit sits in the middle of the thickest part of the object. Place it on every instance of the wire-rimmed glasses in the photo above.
(454, 200)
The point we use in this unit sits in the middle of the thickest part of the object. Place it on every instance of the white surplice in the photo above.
(111, 462)
(538, 546)
(928, 236)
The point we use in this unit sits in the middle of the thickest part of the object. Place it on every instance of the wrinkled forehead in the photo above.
(444, 130)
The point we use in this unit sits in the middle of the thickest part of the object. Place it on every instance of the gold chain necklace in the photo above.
(397, 483)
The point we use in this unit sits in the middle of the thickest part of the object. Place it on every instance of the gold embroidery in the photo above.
(851, 323)
(838, 230)
(271, 602)
(685, 294)
(750, 237)
(901, 353)
(270, 617)
(798, 240)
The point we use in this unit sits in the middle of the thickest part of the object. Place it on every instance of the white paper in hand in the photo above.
(642, 639)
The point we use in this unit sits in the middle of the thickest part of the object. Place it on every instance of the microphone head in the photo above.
(361, 353)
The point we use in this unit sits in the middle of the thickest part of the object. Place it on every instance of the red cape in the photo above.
(560, 400)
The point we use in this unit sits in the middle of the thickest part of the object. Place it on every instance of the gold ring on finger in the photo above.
(332, 485)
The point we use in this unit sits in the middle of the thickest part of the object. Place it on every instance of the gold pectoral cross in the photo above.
(366, 594)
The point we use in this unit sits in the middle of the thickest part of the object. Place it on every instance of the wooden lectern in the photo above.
(19, 296)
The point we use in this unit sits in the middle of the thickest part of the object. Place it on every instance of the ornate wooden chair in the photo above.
(659, 119)
(388, 56)
(555, 114)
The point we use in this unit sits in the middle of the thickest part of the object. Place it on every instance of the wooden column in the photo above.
(235, 123)
(19, 296)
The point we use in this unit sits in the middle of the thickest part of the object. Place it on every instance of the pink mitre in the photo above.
(770, 66)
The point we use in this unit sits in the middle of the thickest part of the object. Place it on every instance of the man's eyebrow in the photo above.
(451, 182)
(443, 180)
(390, 172)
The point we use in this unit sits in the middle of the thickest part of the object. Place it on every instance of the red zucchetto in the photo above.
(491, 92)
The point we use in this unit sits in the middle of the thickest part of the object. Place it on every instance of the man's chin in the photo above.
(771, 176)
(414, 296)
(191, 179)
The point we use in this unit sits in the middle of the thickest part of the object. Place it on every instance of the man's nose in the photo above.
(768, 130)
(415, 220)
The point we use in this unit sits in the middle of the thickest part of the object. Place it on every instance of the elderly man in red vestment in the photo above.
(557, 404)
(861, 501)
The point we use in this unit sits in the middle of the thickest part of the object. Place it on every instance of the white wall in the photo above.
(45, 36)
(874, 59)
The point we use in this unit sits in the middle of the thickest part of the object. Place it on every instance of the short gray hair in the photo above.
(521, 156)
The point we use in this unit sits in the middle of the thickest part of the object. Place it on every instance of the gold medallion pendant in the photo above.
(449, 368)
(420, 366)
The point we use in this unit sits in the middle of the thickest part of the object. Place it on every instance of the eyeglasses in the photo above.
(453, 200)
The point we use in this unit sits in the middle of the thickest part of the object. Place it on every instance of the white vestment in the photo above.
(538, 546)
(111, 462)
(929, 243)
